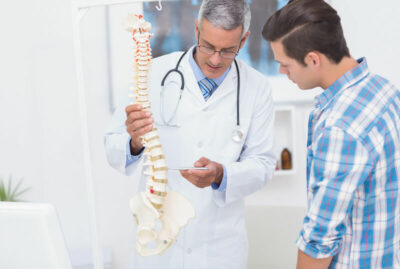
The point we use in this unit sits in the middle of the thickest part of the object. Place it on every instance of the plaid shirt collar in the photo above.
(348, 79)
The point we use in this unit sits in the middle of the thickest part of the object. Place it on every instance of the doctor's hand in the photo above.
(137, 123)
(204, 178)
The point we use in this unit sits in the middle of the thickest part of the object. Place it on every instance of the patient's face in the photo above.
(303, 76)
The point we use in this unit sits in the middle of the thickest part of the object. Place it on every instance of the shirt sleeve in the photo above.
(340, 164)
(221, 187)
(116, 141)
(129, 157)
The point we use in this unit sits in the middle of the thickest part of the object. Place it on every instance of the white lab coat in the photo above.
(216, 237)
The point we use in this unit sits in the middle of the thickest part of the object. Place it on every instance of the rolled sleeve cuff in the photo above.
(131, 158)
(316, 251)
(220, 187)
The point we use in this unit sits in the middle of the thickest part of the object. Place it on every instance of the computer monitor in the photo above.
(31, 237)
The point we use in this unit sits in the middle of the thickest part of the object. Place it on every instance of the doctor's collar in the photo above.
(198, 74)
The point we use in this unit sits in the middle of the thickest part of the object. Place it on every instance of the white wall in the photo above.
(39, 114)
(39, 136)
(372, 29)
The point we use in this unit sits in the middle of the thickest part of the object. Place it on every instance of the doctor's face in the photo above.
(303, 76)
(210, 38)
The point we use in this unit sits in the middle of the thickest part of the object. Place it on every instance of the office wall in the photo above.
(39, 138)
(372, 29)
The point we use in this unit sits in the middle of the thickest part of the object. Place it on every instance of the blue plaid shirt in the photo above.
(353, 173)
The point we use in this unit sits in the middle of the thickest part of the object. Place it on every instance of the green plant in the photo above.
(11, 193)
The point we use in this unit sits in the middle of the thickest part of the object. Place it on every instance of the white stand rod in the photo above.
(77, 15)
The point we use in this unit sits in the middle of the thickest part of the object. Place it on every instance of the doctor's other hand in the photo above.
(204, 178)
(138, 122)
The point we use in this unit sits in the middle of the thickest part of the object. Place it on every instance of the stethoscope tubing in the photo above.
(176, 70)
(183, 86)
(237, 95)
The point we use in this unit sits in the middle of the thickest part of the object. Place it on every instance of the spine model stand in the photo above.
(159, 214)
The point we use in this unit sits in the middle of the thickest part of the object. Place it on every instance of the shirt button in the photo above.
(189, 250)
(200, 144)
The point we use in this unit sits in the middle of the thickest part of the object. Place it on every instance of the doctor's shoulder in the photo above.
(253, 79)
(162, 64)
(167, 60)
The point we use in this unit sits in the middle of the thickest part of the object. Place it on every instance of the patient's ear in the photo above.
(313, 59)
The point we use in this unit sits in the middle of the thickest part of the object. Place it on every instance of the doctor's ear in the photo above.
(312, 59)
(197, 29)
(243, 41)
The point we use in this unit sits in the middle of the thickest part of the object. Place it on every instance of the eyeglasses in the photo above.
(226, 54)
(223, 53)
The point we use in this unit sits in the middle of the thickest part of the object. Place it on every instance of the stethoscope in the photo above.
(237, 134)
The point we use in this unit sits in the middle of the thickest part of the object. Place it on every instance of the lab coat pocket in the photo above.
(229, 138)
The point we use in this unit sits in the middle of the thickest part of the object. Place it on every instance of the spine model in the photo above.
(156, 167)
(155, 204)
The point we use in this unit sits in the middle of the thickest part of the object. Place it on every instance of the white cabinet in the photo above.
(285, 137)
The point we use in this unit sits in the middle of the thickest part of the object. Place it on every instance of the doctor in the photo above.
(223, 120)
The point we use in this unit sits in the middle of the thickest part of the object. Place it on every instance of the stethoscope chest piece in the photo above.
(237, 135)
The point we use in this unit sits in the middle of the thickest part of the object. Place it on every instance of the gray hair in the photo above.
(226, 14)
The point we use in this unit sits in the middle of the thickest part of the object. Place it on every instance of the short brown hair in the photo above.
(307, 25)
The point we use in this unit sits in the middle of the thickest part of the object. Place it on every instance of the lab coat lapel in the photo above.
(227, 86)
(191, 84)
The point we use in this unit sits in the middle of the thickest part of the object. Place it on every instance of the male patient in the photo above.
(353, 148)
